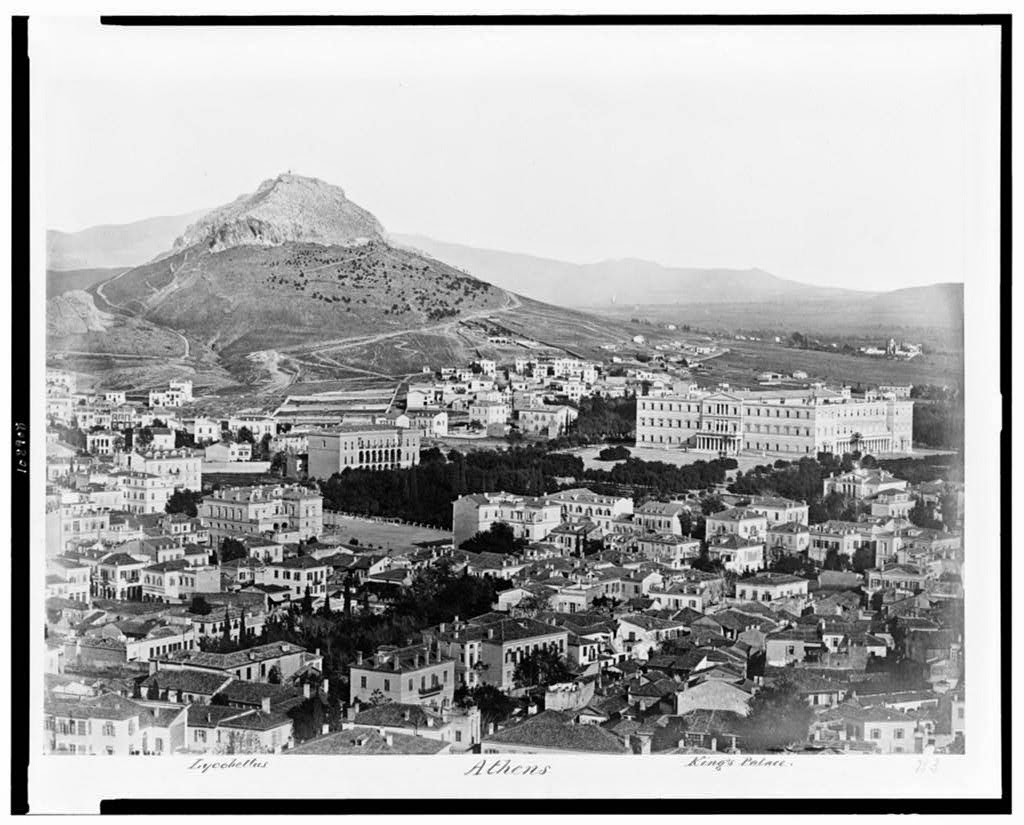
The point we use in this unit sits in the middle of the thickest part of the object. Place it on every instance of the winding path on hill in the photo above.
(511, 302)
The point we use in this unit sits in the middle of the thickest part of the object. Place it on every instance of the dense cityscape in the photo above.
(544, 554)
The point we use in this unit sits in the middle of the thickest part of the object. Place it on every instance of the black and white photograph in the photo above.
(540, 411)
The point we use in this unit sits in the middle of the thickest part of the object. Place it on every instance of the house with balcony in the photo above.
(414, 675)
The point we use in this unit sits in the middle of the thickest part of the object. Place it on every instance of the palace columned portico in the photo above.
(728, 443)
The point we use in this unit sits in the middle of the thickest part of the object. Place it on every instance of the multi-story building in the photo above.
(73, 522)
(145, 493)
(103, 442)
(415, 675)
(118, 576)
(253, 511)
(182, 467)
(548, 420)
(738, 521)
(529, 517)
(372, 447)
(489, 412)
(74, 578)
(737, 554)
(661, 517)
(298, 574)
(113, 726)
(790, 538)
(579, 503)
(177, 394)
(789, 423)
(845, 537)
(489, 647)
(174, 581)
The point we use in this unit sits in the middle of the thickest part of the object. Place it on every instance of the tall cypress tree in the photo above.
(227, 625)
(241, 626)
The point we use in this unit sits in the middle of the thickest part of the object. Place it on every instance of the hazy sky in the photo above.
(857, 156)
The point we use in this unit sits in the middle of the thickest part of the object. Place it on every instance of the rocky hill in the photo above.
(293, 263)
(288, 208)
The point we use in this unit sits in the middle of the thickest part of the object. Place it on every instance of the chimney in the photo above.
(352, 710)
(416, 660)
(406, 714)
(430, 721)
(305, 689)
(490, 728)
(359, 657)
(325, 729)
(325, 686)
(389, 740)
(265, 704)
(395, 663)
(490, 633)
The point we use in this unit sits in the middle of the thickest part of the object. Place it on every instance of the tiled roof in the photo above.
(362, 741)
(554, 730)
(198, 682)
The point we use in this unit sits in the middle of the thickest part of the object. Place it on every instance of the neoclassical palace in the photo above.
(787, 423)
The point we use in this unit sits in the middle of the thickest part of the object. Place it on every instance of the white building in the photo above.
(788, 423)
(529, 517)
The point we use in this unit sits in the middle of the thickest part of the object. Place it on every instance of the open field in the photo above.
(674, 456)
(383, 534)
(745, 359)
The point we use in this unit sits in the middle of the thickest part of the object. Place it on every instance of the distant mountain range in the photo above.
(625, 281)
(115, 245)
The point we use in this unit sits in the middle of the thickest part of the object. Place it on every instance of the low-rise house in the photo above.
(792, 645)
(863, 483)
(897, 577)
(253, 664)
(714, 694)
(767, 587)
(228, 452)
(232, 730)
(354, 740)
(780, 510)
(639, 634)
(669, 549)
(460, 730)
